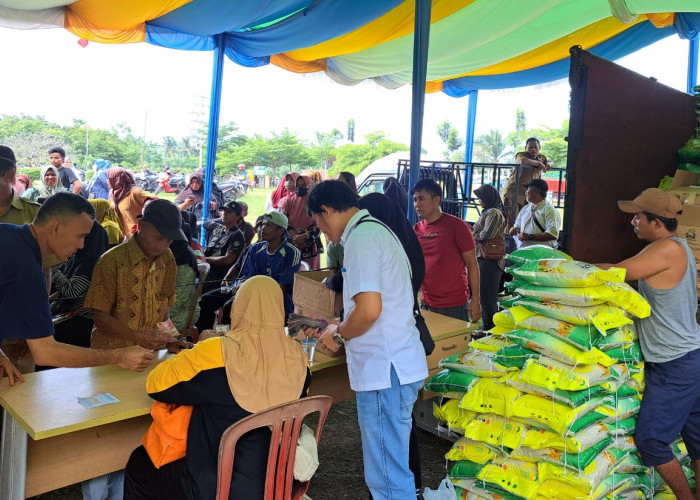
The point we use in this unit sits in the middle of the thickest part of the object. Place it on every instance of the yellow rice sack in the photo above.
(556, 348)
(621, 295)
(565, 273)
(490, 343)
(514, 476)
(603, 317)
(555, 416)
(580, 336)
(495, 430)
(535, 253)
(550, 374)
(455, 417)
(538, 439)
(467, 449)
(489, 396)
(585, 482)
(477, 363)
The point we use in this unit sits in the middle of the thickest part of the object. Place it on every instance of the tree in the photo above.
(450, 136)
(326, 142)
(491, 147)
(354, 158)
(517, 139)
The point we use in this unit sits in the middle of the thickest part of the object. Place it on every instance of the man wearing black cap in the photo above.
(134, 283)
(226, 243)
(538, 222)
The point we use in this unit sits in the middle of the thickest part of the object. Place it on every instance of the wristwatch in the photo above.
(530, 236)
(338, 338)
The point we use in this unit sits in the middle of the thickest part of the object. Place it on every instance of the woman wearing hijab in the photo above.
(185, 280)
(50, 184)
(99, 187)
(396, 192)
(491, 223)
(70, 281)
(192, 197)
(253, 367)
(22, 183)
(107, 217)
(127, 200)
(303, 232)
(287, 186)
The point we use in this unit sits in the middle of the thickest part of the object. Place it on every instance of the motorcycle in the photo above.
(232, 190)
(169, 183)
(146, 180)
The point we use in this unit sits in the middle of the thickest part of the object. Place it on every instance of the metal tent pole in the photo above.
(693, 63)
(421, 35)
(213, 133)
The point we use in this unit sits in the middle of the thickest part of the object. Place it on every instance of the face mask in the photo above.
(302, 191)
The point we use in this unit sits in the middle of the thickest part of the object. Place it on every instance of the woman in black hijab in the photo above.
(396, 193)
(491, 223)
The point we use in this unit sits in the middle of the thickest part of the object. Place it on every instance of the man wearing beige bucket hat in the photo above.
(669, 337)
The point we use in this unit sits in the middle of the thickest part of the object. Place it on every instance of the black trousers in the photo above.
(490, 282)
(142, 481)
(209, 305)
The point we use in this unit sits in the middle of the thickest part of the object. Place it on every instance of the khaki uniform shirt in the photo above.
(128, 289)
(20, 211)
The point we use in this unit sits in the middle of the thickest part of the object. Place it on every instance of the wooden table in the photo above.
(69, 443)
(330, 375)
(49, 440)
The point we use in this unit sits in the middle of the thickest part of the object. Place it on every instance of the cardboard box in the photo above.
(691, 235)
(684, 178)
(688, 195)
(690, 216)
(313, 298)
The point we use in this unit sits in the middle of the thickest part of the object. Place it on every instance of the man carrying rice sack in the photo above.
(669, 337)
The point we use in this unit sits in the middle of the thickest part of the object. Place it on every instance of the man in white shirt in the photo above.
(538, 222)
(385, 357)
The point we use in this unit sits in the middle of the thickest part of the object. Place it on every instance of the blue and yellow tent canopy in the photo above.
(474, 44)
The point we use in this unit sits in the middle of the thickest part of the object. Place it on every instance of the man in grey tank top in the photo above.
(669, 337)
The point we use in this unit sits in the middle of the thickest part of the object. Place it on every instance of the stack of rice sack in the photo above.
(545, 405)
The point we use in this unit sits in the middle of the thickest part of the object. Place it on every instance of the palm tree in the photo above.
(491, 147)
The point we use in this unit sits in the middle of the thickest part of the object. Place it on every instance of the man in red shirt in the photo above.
(451, 270)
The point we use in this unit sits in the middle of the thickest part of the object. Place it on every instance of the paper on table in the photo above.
(98, 400)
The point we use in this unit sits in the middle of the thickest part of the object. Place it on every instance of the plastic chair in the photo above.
(285, 421)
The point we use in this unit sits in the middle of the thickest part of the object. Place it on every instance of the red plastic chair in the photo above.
(285, 421)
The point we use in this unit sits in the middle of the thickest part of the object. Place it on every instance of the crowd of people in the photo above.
(112, 280)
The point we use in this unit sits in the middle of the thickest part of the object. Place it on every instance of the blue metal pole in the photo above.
(469, 146)
(421, 35)
(213, 133)
(471, 122)
(693, 63)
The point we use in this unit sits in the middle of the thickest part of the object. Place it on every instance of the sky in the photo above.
(158, 92)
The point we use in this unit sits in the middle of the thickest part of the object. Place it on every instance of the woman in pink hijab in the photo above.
(286, 187)
(302, 230)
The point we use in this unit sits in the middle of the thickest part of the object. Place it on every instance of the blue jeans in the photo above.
(385, 424)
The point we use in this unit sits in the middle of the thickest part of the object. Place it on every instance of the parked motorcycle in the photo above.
(169, 183)
(232, 190)
(146, 180)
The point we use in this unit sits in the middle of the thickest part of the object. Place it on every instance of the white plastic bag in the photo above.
(446, 491)
(306, 460)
